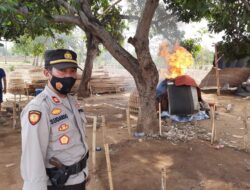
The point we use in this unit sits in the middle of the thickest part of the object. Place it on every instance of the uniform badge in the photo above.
(67, 55)
(56, 111)
(59, 85)
(63, 127)
(55, 100)
(64, 139)
(34, 117)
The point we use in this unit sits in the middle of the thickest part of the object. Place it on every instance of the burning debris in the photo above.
(177, 62)
(179, 94)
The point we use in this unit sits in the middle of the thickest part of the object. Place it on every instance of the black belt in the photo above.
(72, 169)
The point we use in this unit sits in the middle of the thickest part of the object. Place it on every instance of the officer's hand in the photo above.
(88, 179)
(4, 90)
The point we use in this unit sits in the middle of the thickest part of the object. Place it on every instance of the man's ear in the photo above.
(46, 73)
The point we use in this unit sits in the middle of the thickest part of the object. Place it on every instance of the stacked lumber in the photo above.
(133, 102)
(101, 83)
(16, 84)
(36, 79)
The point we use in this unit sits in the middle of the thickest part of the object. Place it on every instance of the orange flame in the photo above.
(177, 62)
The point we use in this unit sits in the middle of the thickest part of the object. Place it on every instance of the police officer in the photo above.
(54, 149)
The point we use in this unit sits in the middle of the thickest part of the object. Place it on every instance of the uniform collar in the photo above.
(53, 96)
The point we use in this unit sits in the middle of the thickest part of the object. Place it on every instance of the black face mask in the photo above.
(62, 85)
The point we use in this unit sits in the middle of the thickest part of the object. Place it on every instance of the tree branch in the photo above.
(68, 19)
(119, 53)
(110, 7)
(145, 20)
(67, 6)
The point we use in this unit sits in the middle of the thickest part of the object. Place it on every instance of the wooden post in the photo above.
(163, 179)
(245, 127)
(103, 129)
(160, 128)
(212, 107)
(14, 112)
(106, 147)
(94, 144)
(128, 122)
(217, 71)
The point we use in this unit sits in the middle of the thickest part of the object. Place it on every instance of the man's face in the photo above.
(61, 73)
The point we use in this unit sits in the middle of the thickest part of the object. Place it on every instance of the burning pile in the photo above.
(177, 62)
(178, 93)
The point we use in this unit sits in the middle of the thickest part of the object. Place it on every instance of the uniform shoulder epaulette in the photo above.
(39, 99)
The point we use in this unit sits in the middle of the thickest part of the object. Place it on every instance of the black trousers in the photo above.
(80, 186)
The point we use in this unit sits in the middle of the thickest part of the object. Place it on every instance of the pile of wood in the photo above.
(133, 103)
(16, 84)
(36, 79)
(101, 83)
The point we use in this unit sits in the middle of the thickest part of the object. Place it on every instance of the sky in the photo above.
(191, 31)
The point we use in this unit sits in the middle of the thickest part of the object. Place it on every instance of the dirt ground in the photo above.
(191, 163)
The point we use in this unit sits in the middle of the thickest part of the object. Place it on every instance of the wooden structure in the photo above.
(134, 102)
(101, 83)
(16, 86)
(106, 147)
(36, 80)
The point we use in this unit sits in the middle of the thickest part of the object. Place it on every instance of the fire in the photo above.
(177, 62)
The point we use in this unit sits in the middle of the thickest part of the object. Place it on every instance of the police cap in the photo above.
(60, 59)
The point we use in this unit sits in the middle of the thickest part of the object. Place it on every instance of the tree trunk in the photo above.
(92, 51)
(141, 67)
(146, 86)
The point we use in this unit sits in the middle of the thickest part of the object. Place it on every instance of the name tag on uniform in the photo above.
(59, 118)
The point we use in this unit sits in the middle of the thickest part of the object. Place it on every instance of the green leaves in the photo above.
(192, 45)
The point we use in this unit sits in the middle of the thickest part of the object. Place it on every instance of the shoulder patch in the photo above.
(34, 116)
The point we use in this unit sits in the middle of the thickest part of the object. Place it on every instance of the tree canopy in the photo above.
(229, 16)
(37, 18)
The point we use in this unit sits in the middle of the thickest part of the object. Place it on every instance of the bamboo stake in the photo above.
(103, 129)
(217, 71)
(245, 128)
(106, 147)
(212, 106)
(128, 122)
(14, 112)
(160, 127)
(94, 144)
(163, 179)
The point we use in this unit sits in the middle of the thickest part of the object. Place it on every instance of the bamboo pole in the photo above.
(217, 71)
(14, 112)
(94, 144)
(245, 127)
(106, 147)
(128, 122)
(160, 127)
(212, 106)
(103, 129)
(163, 179)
